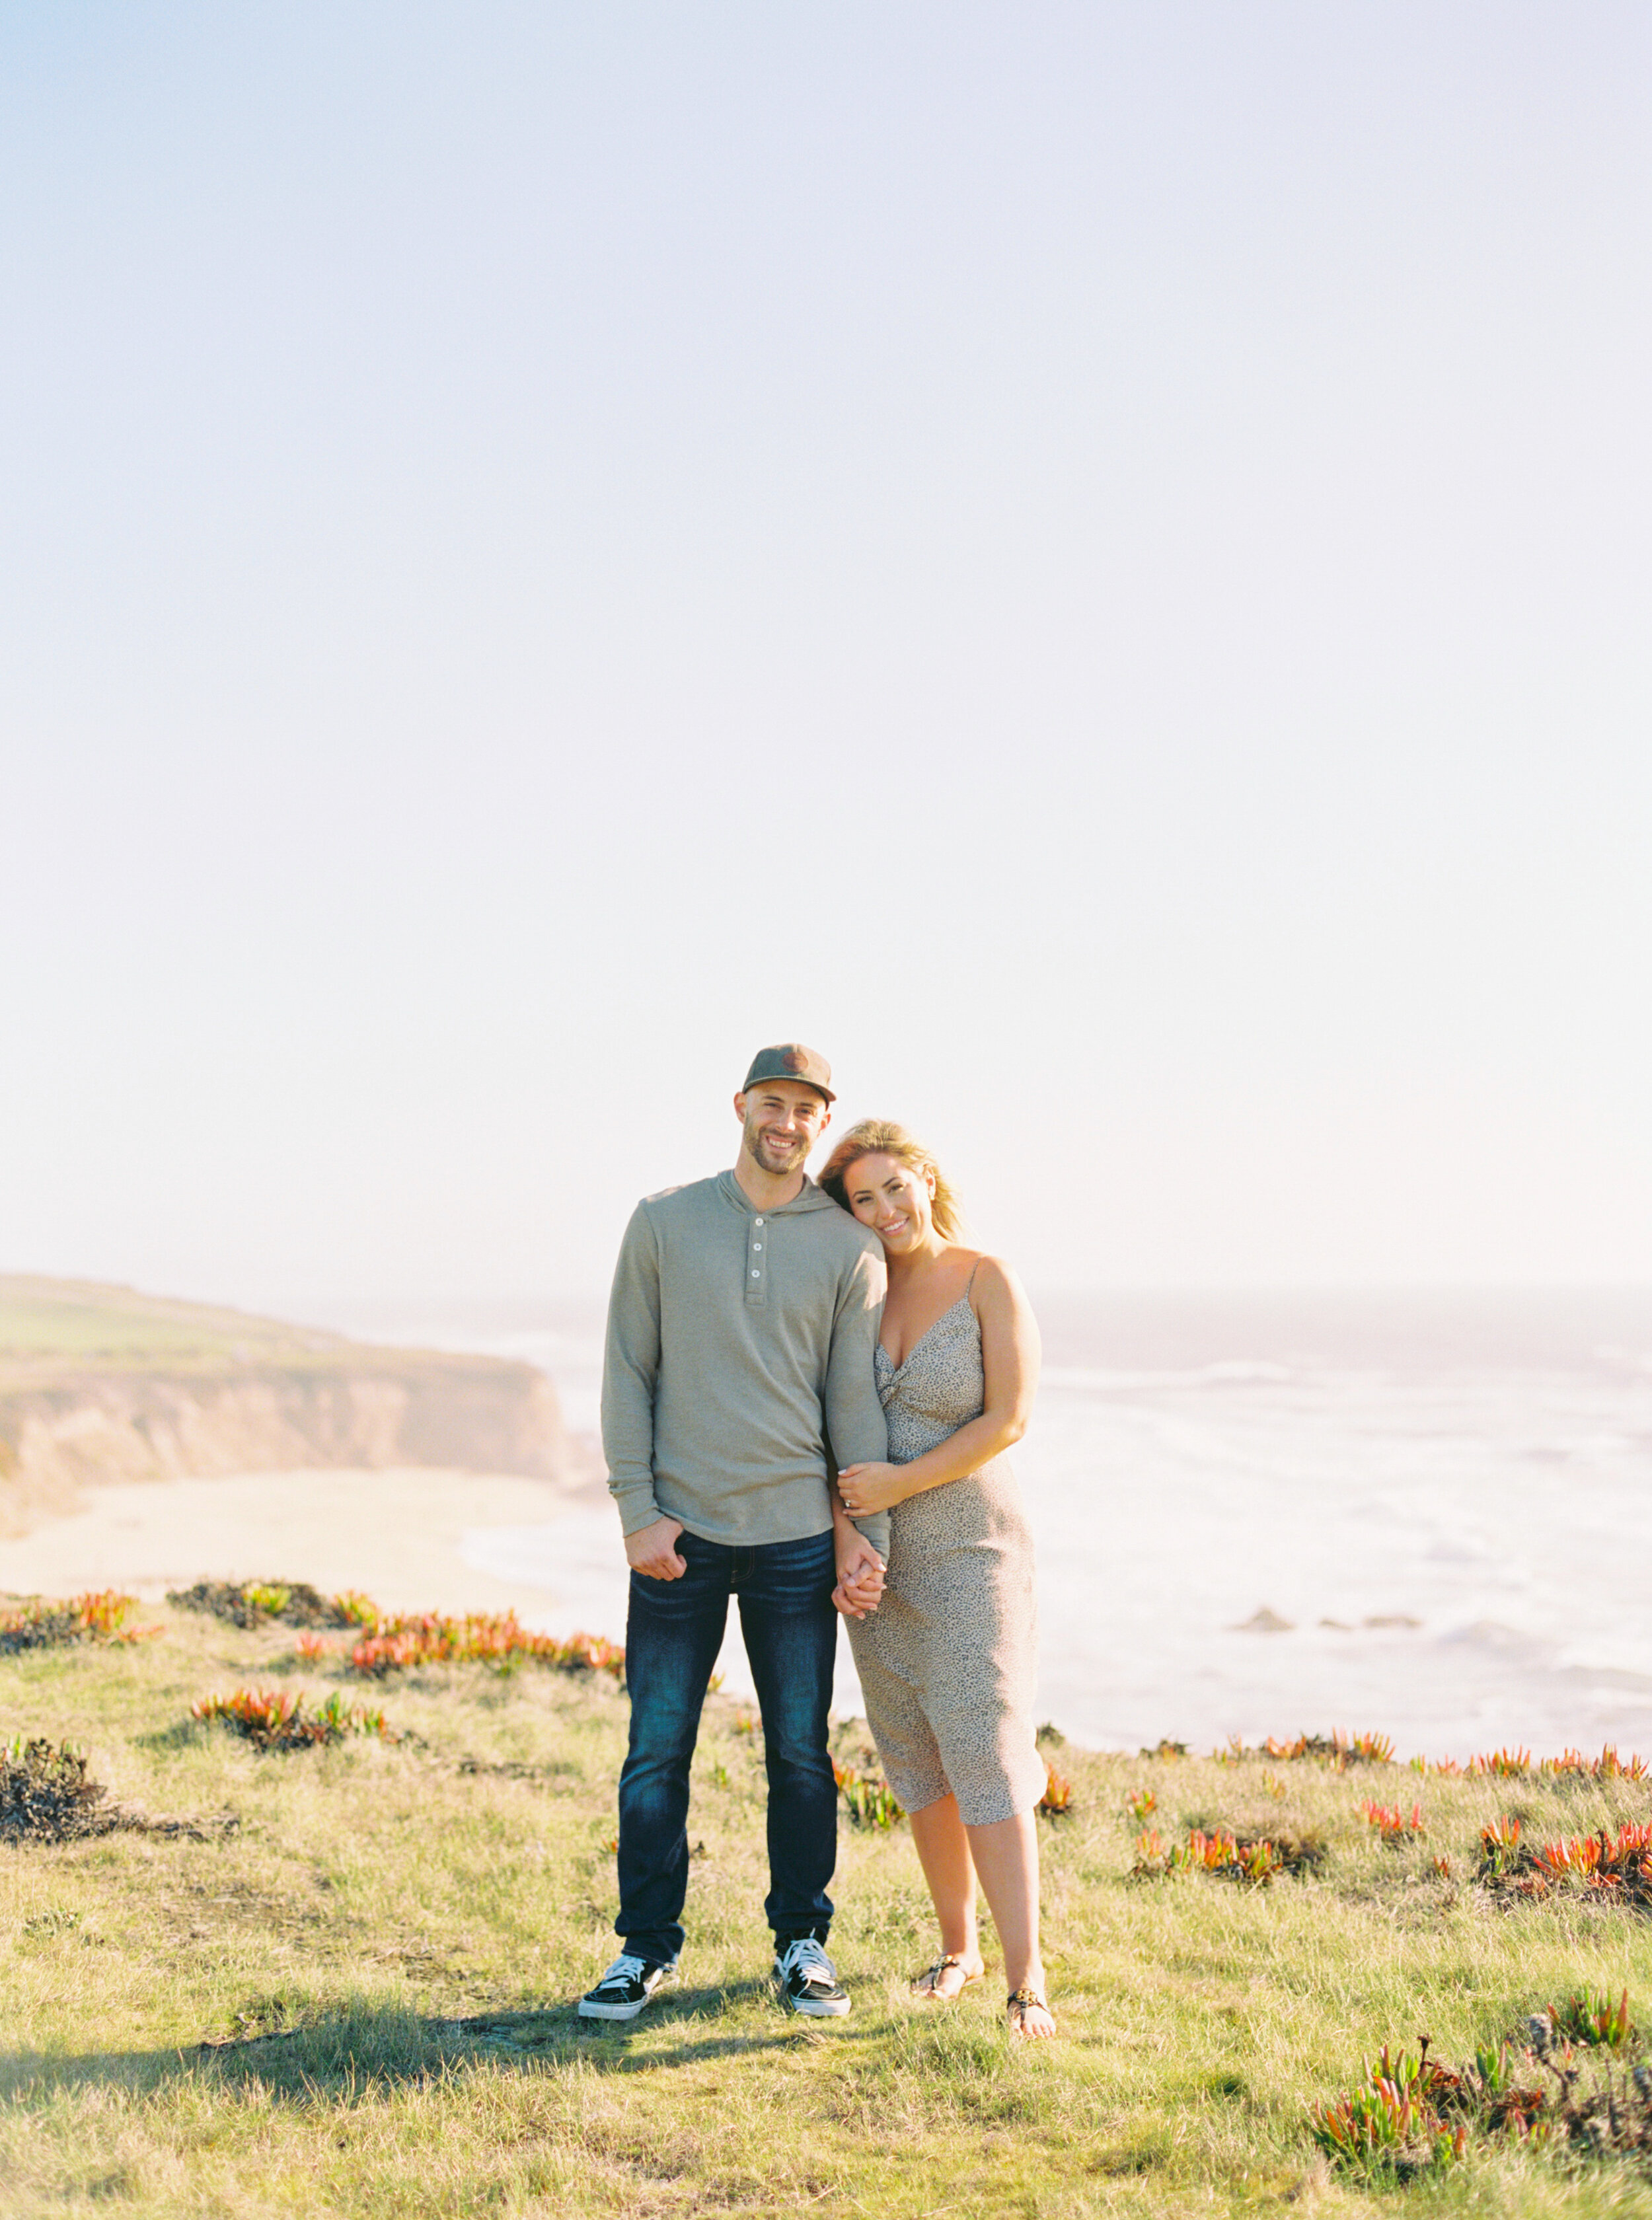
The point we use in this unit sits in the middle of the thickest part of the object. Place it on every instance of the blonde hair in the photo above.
(882, 1137)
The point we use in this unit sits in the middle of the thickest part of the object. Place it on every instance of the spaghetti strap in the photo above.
(969, 1288)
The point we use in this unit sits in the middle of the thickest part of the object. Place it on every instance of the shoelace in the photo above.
(805, 1956)
(623, 1969)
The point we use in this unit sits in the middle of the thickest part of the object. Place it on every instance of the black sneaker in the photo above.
(626, 1986)
(809, 1980)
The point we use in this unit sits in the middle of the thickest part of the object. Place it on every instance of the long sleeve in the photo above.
(854, 1417)
(630, 1374)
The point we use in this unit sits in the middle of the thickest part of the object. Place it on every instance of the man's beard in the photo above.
(791, 1153)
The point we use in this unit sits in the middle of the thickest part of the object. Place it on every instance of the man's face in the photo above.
(782, 1121)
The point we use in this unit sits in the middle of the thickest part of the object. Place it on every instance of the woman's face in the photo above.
(894, 1199)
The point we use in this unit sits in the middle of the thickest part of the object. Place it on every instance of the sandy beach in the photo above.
(396, 1535)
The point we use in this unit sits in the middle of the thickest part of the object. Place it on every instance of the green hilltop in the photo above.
(102, 1383)
(52, 1326)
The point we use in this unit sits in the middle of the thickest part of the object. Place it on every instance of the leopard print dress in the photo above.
(948, 1662)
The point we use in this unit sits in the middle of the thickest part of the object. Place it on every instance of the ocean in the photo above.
(1428, 1516)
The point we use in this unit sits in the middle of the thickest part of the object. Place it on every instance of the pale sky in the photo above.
(1091, 561)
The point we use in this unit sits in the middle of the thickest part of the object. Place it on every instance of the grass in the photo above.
(357, 2001)
(55, 1326)
(63, 1333)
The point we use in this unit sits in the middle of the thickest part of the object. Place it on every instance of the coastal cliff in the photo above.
(101, 1384)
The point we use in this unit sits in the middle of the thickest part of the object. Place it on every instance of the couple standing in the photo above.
(806, 1395)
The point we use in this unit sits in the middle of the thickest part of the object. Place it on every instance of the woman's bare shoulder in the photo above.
(996, 1279)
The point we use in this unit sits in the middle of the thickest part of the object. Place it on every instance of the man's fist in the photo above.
(652, 1550)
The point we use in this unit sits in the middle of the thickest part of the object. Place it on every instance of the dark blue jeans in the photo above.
(673, 1633)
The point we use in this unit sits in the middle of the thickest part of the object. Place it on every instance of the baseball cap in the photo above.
(791, 1060)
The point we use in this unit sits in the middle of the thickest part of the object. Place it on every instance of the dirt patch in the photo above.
(46, 1795)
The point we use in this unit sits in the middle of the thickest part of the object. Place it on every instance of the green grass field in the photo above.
(358, 2002)
(52, 1327)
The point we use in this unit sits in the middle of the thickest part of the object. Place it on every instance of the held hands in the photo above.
(652, 1550)
(860, 1574)
(868, 1488)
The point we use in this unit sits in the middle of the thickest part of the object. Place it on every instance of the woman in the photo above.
(946, 1659)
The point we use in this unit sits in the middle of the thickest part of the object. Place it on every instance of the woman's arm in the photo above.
(1009, 1357)
(860, 1567)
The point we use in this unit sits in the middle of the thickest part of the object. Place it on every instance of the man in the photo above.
(740, 1334)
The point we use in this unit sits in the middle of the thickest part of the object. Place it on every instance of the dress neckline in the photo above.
(924, 1335)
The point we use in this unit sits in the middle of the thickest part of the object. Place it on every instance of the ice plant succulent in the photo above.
(1391, 2124)
(1620, 1862)
(257, 1603)
(1503, 1764)
(1337, 1749)
(870, 1801)
(1571, 1763)
(1500, 1853)
(1057, 1798)
(1392, 1823)
(1609, 1766)
(1595, 2019)
(1252, 1859)
(277, 1718)
(1587, 2102)
(50, 1623)
(479, 1637)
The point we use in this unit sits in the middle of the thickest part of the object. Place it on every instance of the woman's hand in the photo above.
(868, 1488)
(860, 1574)
(854, 1602)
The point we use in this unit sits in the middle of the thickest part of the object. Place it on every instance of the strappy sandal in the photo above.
(1021, 2002)
(927, 1984)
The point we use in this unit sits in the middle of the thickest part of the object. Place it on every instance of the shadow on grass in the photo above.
(183, 1734)
(358, 2052)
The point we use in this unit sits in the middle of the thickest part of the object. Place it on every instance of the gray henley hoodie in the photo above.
(740, 1349)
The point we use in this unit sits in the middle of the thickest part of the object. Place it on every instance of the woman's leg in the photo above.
(944, 1853)
(1005, 1855)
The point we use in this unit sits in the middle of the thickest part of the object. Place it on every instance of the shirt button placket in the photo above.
(756, 1272)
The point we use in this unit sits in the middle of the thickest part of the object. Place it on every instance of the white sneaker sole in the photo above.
(816, 2007)
(589, 2009)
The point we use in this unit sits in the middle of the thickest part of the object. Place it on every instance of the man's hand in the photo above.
(855, 1603)
(652, 1550)
(868, 1488)
(860, 1574)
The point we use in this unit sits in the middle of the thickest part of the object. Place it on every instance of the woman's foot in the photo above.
(939, 1983)
(1031, 2019)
